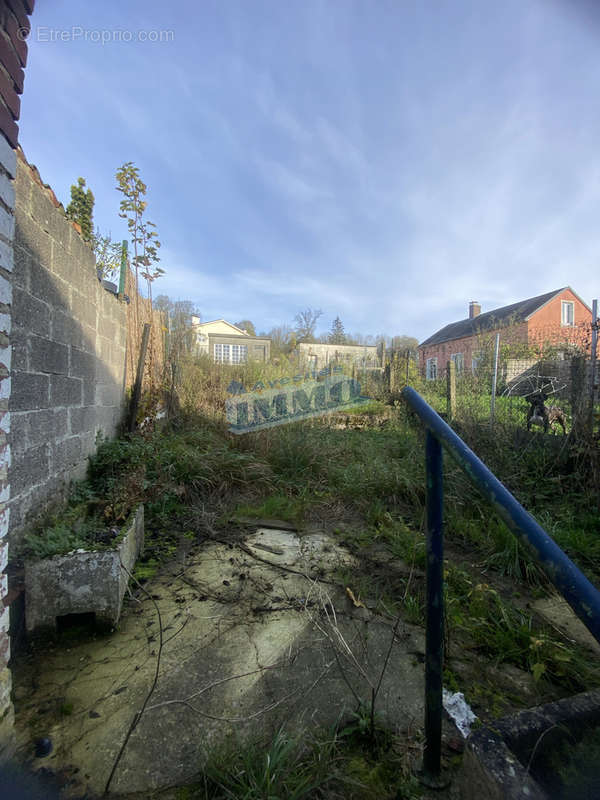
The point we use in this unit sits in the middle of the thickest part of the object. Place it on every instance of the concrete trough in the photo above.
(517, 758)
(82, 582)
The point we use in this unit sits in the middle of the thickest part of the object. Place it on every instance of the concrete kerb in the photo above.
(512, 758)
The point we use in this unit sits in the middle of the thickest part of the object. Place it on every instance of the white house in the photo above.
(228, 344)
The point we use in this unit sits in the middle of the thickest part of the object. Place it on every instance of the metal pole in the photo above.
(580, 594)
(494, 379)
(123, 267)
(435, 609)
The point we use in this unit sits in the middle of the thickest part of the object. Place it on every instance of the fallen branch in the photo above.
(260, 712)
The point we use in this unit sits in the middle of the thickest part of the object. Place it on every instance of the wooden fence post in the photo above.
(494, 379)
(387, 376)
(579, 396)
(451, 390)
(137, 389)
(393, 375)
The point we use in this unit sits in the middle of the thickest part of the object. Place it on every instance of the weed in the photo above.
(577, 766)
(505, 634)
(509, 556)
(413, 610)
(55, 540)
(145, 569)
(282, 770)
(335, 764)
(374, 408)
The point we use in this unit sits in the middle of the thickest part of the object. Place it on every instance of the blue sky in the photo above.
(384, 160)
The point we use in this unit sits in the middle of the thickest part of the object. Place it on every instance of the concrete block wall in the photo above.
(318, 356)
(69, 341)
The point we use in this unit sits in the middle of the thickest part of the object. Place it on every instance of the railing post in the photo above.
(435, 609)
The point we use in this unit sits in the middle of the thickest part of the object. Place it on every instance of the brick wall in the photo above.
(543, 329)
(14, 26)
(469, 346)
(545, 326)
(69, 337)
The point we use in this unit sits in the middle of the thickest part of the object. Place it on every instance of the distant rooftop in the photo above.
(491, 320)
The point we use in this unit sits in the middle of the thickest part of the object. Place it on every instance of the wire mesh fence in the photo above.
(556, 366)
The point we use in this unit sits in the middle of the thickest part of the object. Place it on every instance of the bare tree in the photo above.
(404, 343)
(181, 331)
(281, 340)
(306, 323)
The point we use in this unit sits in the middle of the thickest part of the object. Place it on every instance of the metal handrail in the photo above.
(578, 591)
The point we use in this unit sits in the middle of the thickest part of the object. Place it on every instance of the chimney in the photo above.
(474, 309)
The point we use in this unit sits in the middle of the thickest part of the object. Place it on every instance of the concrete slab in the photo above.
(254, 635)
(556, 611)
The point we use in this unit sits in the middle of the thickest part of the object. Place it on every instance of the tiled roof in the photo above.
(491, 320)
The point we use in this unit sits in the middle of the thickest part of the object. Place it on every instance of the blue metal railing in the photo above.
(582, 596)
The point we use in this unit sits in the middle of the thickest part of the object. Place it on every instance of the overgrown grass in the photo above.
(71, 526)
(276, 506)
(486, 623)
(338, 764)
(192, 475)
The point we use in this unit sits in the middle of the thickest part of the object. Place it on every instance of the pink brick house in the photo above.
(549, 319)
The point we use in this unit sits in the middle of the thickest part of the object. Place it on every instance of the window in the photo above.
(239, 353)
(231, 353)
(475, 360)
(567, 313)
(222, 353)
(459, 362)
(431, 369)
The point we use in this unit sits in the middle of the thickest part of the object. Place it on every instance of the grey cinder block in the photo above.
(65, 391)
(48, 356)
(29, 391)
